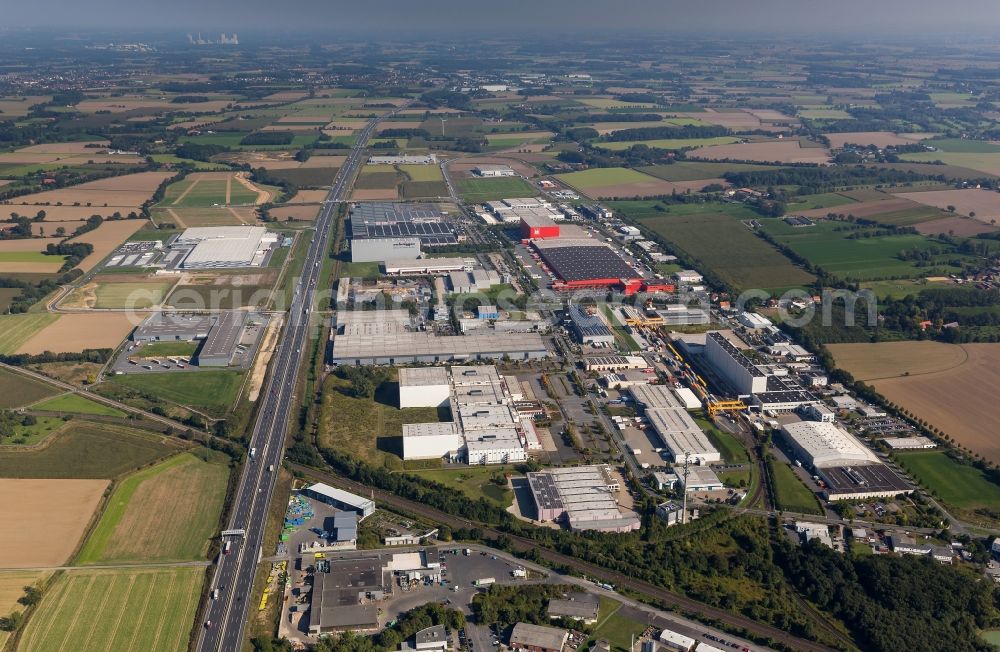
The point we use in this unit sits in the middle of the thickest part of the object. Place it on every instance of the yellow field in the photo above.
(952, 387)
(15, 330)
(74, 332)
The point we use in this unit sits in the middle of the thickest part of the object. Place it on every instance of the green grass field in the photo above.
(184, 349)
(988, 162)
(790, 494)
(616, 628)
(166, 512)
(961, 486)
(76, 404)
(821, 200)
(15, 330)
(29, 257)
(715, 240)
(213, 390)
(899, 289)
(963, 146)
(23, 435)
(666, 143)
(138, 296)
(422, 172)
(132, 609)
(368, 429)
(87, 450)
(596, 177)
(732, 450)
(825, 114)
(17, 390)
(474, 482)
(477, 191)
(855, 259)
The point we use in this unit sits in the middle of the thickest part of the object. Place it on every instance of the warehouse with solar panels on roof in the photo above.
(381, 231)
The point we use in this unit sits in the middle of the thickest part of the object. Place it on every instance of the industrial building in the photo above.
(468, 282)
(779, 401)
(220, 332)
(340, 499)
(428, 266)
(699, 478)
(585, 263)
(511, 211)
(490, 171)
(733, 365)
(423, 387)
(821, 444)
(389, 231)
(678, 314)
(336, 597)
(754, 321)
(537, 638)
(909, 443)
(861, 482)
(682, 436)
(587, 327)
(222, 247)
(537, 227)
(576, 606)
(654, 396)
(393, 337)
(615, 362)
(487, 429)
(582, 497)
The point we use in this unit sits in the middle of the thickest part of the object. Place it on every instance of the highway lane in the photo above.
(235, 572)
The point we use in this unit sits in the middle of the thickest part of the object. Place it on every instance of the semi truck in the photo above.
(486, 581)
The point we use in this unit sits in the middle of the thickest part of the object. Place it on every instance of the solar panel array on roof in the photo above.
(388, 220)
(586, 263)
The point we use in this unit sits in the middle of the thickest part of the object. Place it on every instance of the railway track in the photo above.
(665, 598)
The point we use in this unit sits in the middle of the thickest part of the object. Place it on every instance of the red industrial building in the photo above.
(537, 227)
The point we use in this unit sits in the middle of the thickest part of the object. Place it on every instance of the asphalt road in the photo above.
(234, 574)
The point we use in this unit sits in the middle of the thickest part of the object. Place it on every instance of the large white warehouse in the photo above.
(682, 436)
(423, 387)
(822, 444)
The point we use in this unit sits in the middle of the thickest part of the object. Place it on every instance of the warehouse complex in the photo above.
(383, 231)
(487, 428)
(682, 436)
(734, 365)
(848, 468)
(512, 211)
(392, 337)
(589, 328)
(220, 332)
(582, 497)
(340, 499)
(203, 247)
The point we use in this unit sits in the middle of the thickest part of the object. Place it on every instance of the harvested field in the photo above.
(75, 332)
(127, 191)
(382, 193)
(125, 609)
(876, 138)
(309, 197)
(15, 330)
(12, 587)
(601, 183)
(864, 208)
(952, 387)
(324, 161)
(960, 226)
(988, 162)
(778, 151)
(306, 212)
(983, 204)
(17, 390)
(44, 519)
(111, 293)
(166, 512)
(666, 143)
(30, 262)
(106, 238)
(206, 189)
(734, 119)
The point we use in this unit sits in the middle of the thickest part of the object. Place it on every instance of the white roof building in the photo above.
(682, 436)
(823, 444)
(225, 246)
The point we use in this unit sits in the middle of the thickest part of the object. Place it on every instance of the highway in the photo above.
(234, 574)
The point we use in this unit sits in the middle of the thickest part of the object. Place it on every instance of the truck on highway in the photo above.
(226, 548)
(253, 453)
(215, 594)
(270, 467)
(466, 552)
(485, 581)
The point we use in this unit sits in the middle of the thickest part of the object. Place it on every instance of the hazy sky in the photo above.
(890, 17)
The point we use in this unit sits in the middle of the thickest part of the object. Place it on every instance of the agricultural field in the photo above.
(17, 390)
(983, 205)
(87, 450)
(129, 609)
(206, 189)
(477, 191)
(30, 261)
(106, 238)
(621, 183)
(216, 391)
(886, 209)
(76, 404)
(962, 487)
(718, 242)
(874, 138)
(186, 495)
(950, 386)
(699, 171)
(976, 155)
(78, 331)
(114, 293)
(860, 259)
(15, 330)
(667, 143)
(44, 519)
(209, 216)
(899, 289)
(33, 434)
(777, 151)
(123, 193)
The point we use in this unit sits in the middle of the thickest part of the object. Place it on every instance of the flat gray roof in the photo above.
(224, 335)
